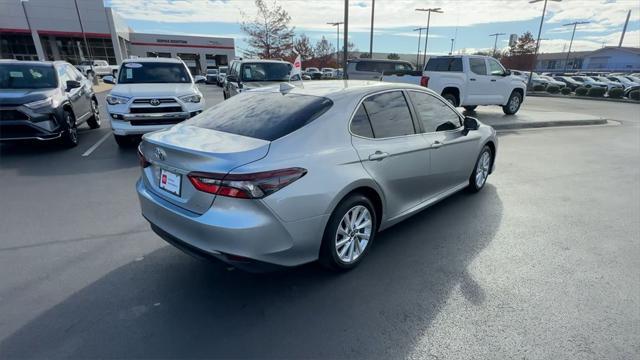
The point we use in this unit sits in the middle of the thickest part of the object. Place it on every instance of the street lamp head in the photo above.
(576, 23)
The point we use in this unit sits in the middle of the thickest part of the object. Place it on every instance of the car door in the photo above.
(391, 149)
(73, 95)
(453, 153)
(478, 84)
(500, 85)
(84, 91)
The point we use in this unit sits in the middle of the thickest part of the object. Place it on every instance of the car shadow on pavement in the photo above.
(172, 306)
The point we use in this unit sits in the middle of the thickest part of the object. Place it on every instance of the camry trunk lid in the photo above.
(182, 149)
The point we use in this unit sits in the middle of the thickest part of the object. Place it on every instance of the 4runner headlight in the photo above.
(115, 100)
(195, 98)
(48, 102)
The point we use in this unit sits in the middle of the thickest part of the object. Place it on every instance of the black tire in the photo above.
(69, 136)
(474, 186)
(514, 103)
(329, 257)
(451, 98)
(470, 108)
(94, 120)
(123, 141)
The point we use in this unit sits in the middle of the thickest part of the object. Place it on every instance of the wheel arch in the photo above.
(454, 90)
(367, 188)
(491, 144)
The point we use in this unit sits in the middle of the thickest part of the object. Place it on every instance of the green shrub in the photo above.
(581, 91)
(596, 92)
(616, 93)
(538, 88)
(553, 89)
(565, 91)
(635, 95)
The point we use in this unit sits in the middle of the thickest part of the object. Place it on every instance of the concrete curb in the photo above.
(543, 94)
(545, 124)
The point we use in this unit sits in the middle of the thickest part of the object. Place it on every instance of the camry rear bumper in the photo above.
(233, 230)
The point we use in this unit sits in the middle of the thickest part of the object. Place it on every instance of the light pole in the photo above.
(451, 51)
(419, 39)
(373, 7)
(535, 56)
(86, 44)
(576, 23)
(426, 39)
(34, 36)
(346, 38)
(495, 43)
(337, 24)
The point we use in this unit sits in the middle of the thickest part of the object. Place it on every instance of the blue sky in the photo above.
(395, 21)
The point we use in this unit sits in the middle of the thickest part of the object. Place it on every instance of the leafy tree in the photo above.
(303, 46)
(269, 35)
(526, 44)
(324, 48)
(393, 56)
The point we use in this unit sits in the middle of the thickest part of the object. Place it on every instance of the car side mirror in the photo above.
(470, 124)
(231, 78)
(72, 84)
(109, 80)
(507, 72)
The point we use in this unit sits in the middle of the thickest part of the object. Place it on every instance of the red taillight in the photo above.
(142, 160)
(246, 186)
(424, 81)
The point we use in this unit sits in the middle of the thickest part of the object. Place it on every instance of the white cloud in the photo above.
(586, 43)
(313, 15)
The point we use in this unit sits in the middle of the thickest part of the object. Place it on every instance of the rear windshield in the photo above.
(262, 115)
(27, 76)
(444, 64)
(150, 72)
(265, 71)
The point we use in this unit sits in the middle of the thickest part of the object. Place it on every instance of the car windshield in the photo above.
(223, 70)
(212, 71)
(262, 115)
(578, 78)
(152, 72)
(27, 76)
(265, 71)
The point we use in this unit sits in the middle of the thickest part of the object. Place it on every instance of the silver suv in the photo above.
(251, 74)
(372, 69)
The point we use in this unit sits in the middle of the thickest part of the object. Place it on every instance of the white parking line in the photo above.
(95, 146)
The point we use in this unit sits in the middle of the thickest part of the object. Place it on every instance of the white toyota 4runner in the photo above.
(151, 94)
(469, 81)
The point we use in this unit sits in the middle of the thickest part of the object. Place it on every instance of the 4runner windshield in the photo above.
(152, 73)
(265, 72)
(27, 76)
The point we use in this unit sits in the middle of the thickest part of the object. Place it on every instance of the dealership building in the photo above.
(52, 30)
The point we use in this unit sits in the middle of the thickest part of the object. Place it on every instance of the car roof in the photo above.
(153, 59)
(12, 61)
(338, 89)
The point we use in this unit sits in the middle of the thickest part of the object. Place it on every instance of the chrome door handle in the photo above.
(472, 79)
(493, 80)
(378, 155)
(436, 144)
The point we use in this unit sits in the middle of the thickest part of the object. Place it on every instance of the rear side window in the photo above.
(360, 124)
(478, 66)
(389, 114)
(380, 66)
(262, 115)
(444, 64)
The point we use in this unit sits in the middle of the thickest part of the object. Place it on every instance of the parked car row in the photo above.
(588, 80)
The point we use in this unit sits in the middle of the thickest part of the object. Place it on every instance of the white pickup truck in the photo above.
(97, 67)
(469, 81)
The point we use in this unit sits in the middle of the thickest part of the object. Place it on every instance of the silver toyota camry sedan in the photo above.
(287, 175)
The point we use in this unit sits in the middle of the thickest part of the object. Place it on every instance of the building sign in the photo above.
(171, 41)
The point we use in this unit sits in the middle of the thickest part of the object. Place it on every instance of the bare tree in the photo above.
(269, 35)
(526, 45)
(324, 49)
(303, 46)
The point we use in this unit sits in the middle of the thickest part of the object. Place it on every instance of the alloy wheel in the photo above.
(352, 236)
(96, 111)
(482, 170)
(515, 103)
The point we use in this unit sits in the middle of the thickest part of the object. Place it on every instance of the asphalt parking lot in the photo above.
(544, 263)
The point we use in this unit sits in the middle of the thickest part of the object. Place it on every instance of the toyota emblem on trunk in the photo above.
(154, 102)
(160, 154)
